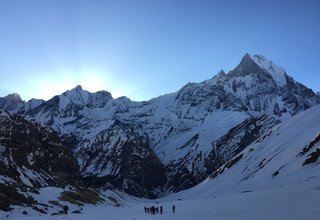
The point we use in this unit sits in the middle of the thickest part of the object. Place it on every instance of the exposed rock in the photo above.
(31, 156)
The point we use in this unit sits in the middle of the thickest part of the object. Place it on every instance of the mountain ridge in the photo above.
(186, 130)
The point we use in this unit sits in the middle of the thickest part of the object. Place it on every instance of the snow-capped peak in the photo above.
(11, 102)
(14, 97)
(83, 97)
(259, 64)
(278, 74)
(77, 95)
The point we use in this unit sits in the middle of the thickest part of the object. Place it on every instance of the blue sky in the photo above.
(143, 49)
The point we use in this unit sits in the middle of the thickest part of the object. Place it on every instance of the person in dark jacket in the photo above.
(153, 210)
(65, 209)
(161, 210)
(173, 208)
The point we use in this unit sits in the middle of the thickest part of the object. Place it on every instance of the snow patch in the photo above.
(278, 74)
(30, 159)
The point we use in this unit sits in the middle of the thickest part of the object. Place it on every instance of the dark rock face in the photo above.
(246, 66)
(128, 161)
(9, 195)
(32, 155)
(179, 177)
(141, 171)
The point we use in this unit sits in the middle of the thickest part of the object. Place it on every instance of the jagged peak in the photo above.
(82, 97)
(79, 90)
(246, 66)
(11, 102)
(246, 55)
(14, 96)
(259, 64)
(76, 90)
(78, 87)
(221, 73)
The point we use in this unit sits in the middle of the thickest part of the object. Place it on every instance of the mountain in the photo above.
(38, 173)
(176, 140)
(280, 171)
(31, 156)
(11, 102)
(287, 157)
(276, 173)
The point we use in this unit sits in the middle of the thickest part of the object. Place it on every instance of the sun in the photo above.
(95, 79)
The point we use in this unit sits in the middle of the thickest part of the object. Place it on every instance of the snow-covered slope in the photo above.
(188, 131)
(39, 174)
(288, 156)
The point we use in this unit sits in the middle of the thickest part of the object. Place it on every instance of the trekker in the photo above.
(161, 210)
(153, 209)
(173, 208)
(65, 209)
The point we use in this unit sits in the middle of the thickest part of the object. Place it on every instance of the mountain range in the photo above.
(151, 148)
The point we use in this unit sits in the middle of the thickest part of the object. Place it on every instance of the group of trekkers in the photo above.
(155, 210)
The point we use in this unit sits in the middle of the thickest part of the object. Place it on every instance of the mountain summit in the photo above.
(258, 64)
(11, 102)
(247, 65)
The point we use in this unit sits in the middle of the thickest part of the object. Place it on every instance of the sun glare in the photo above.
(60, 80)
(92, 80)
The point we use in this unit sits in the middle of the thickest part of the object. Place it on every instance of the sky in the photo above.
(145, 48)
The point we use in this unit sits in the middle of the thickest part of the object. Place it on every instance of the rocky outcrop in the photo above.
(125, 161)
(32, 155)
